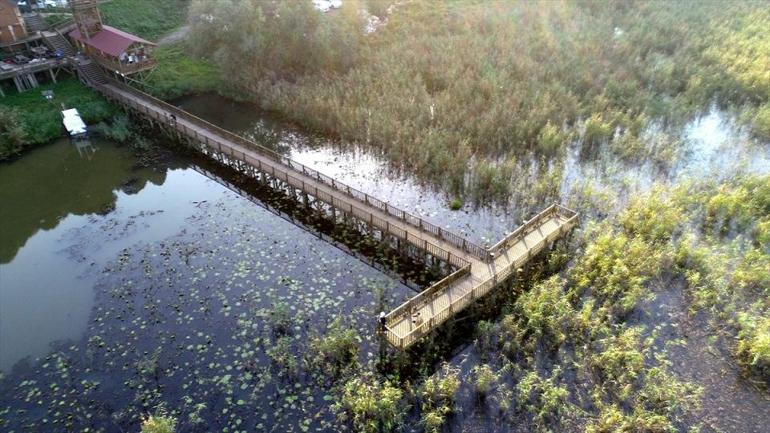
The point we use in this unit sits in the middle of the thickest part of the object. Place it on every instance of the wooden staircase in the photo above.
(57, 41)
(35, 23)
(90, 73)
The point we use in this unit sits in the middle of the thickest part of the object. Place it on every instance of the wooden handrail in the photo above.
(417, 222)
(478, 291)
(407, 306)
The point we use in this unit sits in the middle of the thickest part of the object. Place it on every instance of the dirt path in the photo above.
(177, 35)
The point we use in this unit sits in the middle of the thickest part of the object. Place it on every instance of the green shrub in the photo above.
(119, 129)
(761, 123)
(369, 403)
(754, 343)
(437, 394)
(13, 137)
(434, 420)
(486, 378)
(440, 388)
(655, 217)
(456, 204)
(545, 311)
(159, 423)
(541, 396)
(337, 349)
(551, 139)
(612, 419)
(615, 269)
(597, 130)
(621, 360)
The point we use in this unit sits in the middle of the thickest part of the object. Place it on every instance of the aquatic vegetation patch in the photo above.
(602, 73)
(371, 404)
(208, 325)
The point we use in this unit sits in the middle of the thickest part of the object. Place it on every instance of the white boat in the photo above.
(75, 126)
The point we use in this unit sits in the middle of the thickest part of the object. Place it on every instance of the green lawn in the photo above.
(177, 73)
(40, 120)
(149, 19)
(180, 74)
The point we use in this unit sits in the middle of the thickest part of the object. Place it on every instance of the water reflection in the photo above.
(357, 167)
(54, 181)
(57, 205)
(593, 178)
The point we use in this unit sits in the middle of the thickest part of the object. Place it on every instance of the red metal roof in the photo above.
(110, 40)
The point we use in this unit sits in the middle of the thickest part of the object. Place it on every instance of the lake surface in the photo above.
(124, 287)
(107, 266)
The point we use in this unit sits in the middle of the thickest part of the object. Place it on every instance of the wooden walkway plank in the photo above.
(479, 269)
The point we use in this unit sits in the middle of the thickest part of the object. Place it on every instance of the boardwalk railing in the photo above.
(529, 226)
(222, 145)
(238, 151)
(415, 221)
(479, 290)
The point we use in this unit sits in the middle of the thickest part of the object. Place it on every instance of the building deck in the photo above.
(478, 269)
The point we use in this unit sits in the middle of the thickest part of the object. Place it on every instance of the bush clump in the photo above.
(754, 343)
(437, 394)
(12, 134)
(159, 423)
(369, 403)
(337, 349)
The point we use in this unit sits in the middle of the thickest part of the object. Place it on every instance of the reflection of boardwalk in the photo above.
(478, 269)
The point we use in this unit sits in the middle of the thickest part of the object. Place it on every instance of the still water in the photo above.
(107, 268)
(124, 287)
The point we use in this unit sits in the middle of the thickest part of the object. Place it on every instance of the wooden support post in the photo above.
(53, 77)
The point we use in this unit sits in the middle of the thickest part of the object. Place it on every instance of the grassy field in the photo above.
(466, 92)
(149, 19)
(39, 121)
(178, 73)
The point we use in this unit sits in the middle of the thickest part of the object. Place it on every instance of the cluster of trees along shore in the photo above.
(469, 93)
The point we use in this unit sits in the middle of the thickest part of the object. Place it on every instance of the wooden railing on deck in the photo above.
(125, 68)
(417, 222)
(481, 289)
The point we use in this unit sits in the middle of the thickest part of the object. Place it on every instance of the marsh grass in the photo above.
(465, 93)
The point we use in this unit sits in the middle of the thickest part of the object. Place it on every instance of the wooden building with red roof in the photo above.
(113, 49)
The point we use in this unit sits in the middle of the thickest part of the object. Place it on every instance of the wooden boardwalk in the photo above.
(477, 269)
